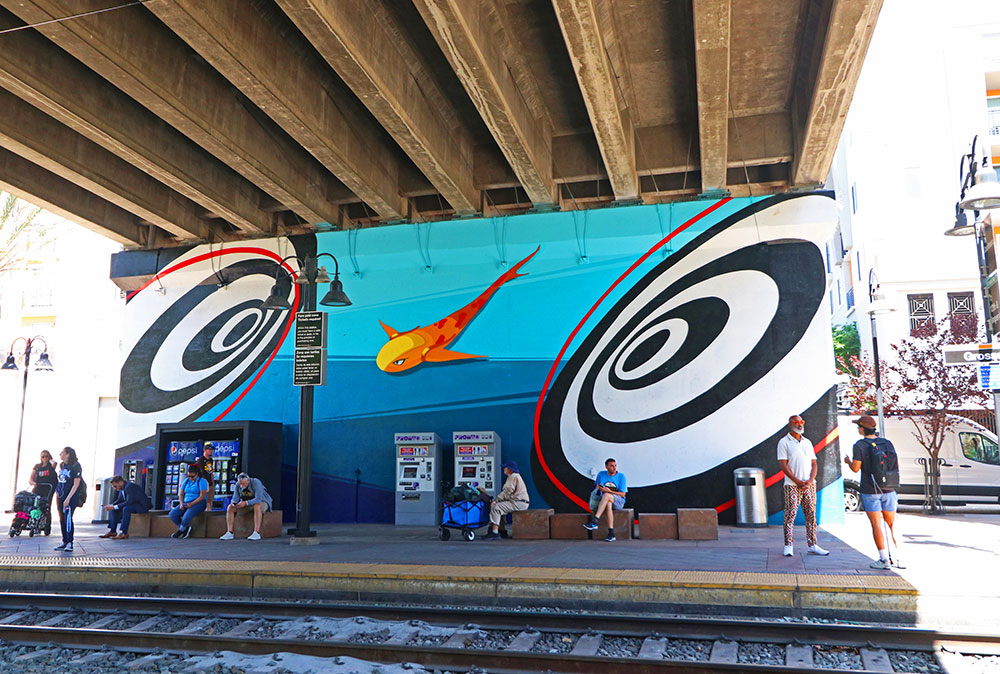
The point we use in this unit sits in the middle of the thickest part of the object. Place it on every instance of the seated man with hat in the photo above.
(513, 496)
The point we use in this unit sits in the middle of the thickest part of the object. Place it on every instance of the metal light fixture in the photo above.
(276, 301)
(44, 363)
(879, 305)
(986, 191)
(322, 276)
(335, 297)
(9, 364)
(41, 363)
(962, 226)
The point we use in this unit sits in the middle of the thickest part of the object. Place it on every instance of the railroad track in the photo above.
(498, 640)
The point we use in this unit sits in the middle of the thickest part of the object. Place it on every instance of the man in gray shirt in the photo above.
(250, 493)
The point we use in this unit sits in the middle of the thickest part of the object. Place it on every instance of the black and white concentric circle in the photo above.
(703, 358)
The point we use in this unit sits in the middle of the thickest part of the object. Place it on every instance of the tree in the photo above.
(931, 391)
(860, 391)
(846, 345)
(17, 221)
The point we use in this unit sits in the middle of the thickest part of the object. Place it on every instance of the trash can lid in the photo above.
(747, 472)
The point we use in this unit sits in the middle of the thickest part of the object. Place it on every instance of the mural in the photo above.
(427, 345)
(675, 338)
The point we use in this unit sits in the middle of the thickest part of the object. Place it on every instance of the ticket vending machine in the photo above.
(477, 460)
(418, 483)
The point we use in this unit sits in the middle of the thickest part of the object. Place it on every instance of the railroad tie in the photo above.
(244, 628)
(198, 626)
(876, 660)
(524, 641)
(35, 655)
(461, 638)
(14, 617)
(402, 637)
(798, 656)
(55, 620)
(146, 661)
(587, 645)
(90, 658)
(652, 647)
(148, 623)
(101, 622)
(724, 652)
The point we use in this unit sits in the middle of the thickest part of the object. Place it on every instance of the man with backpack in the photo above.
(876, 458)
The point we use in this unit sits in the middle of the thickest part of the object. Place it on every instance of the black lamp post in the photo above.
(310, 274)
(42, 363)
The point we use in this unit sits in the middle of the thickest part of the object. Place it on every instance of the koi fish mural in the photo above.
(406, 350)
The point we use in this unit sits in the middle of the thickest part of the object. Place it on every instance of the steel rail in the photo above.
(435, 657)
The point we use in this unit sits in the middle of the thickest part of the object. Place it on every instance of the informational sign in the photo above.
(472, 450)
(310, 330)
(309, 367)
(989, 377)
(971, 354)
(184, 451)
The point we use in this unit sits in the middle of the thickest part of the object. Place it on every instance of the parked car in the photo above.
(970, 473)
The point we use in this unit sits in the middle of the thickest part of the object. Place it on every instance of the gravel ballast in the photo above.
(555, 643)
(753, 653)
(836, 657)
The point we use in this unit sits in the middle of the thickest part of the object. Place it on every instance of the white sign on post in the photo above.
(971, 354)
(989, 376)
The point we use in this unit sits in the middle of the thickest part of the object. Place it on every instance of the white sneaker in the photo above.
(881, 564)
(816, 550)
(788, 551)
(228, 536)
(253, 537)
(898, 564)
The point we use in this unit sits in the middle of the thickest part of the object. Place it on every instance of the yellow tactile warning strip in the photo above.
(134, 568)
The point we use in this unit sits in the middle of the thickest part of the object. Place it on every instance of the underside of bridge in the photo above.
(171, 122)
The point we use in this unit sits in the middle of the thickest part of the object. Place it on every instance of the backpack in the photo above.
(81, 493)
(884, 465)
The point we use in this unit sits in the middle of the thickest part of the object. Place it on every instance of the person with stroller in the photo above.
(44, 480)
(192, 494)
(131, 499)
(69, 494)
(513, 496)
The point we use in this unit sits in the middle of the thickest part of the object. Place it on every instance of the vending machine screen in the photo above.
(410, 472)
(469, 471)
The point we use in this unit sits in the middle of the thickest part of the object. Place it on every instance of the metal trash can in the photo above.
(751, 497)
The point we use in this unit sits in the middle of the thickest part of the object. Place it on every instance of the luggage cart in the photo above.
(465, 515)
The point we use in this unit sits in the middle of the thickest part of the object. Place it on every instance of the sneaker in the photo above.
(610, 539)
(789, 551)
(62, 546)
(591, 524)
(491, 536)
(120, 537)
(255, 536)
(898, 564)
(177, 534)
(881, 564)
(110, 534)
(816, 550)
(186, 534)
(228, 536)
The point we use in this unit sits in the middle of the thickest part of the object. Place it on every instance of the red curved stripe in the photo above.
(548, 380)
(831, 436)
(230, 251)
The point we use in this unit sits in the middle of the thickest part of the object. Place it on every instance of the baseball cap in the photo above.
(865, 421)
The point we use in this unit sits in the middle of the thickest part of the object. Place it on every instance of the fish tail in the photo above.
(512, 273)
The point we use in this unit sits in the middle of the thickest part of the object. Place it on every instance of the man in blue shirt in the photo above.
(192, 496)
(609, 492)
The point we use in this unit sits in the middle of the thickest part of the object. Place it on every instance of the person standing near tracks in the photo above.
(44, 480)
(69, 495)
(874, 457)
(798, 462)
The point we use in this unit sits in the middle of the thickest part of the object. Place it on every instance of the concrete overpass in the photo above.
(171, 122)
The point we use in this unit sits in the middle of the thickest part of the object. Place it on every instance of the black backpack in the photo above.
(884, 465)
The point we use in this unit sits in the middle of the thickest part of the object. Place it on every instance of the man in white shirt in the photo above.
(798, 463)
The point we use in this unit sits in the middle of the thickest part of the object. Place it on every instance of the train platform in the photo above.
(952, 563)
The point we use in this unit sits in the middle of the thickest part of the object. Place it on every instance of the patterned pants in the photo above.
(807, 497)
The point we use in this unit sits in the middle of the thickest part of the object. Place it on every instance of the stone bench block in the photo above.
(697, 524)
(568, 526)
(532, 524)
(623, 525)
(656, 526)
(270, 526)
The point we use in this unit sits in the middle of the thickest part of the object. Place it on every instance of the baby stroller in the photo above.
(31, 513)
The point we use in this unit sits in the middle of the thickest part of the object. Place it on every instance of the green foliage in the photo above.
(17, 224)
(846, 342)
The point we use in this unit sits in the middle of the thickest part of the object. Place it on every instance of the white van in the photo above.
(970, 473)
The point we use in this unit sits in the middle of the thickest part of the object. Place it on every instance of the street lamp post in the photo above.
(980, 191)
(310, 274)
(877, 305)
(43, 363)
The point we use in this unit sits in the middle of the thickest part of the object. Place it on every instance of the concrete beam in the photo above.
(55, 147)
(35, 185)
(366, 44)
(711, 55)
(60, 86)
(472, 40)
(829, 67)
(136, 53)
(582, 31)
(260, 53)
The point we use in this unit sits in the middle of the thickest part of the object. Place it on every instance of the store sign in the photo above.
(971, 354)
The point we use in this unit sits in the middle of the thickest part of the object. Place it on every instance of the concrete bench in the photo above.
(657, 526)
(568, 526)
(531, 524)
(697, 524)
(209, 524)
(623, 525)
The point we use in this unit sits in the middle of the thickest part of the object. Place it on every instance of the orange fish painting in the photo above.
(406, 350)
